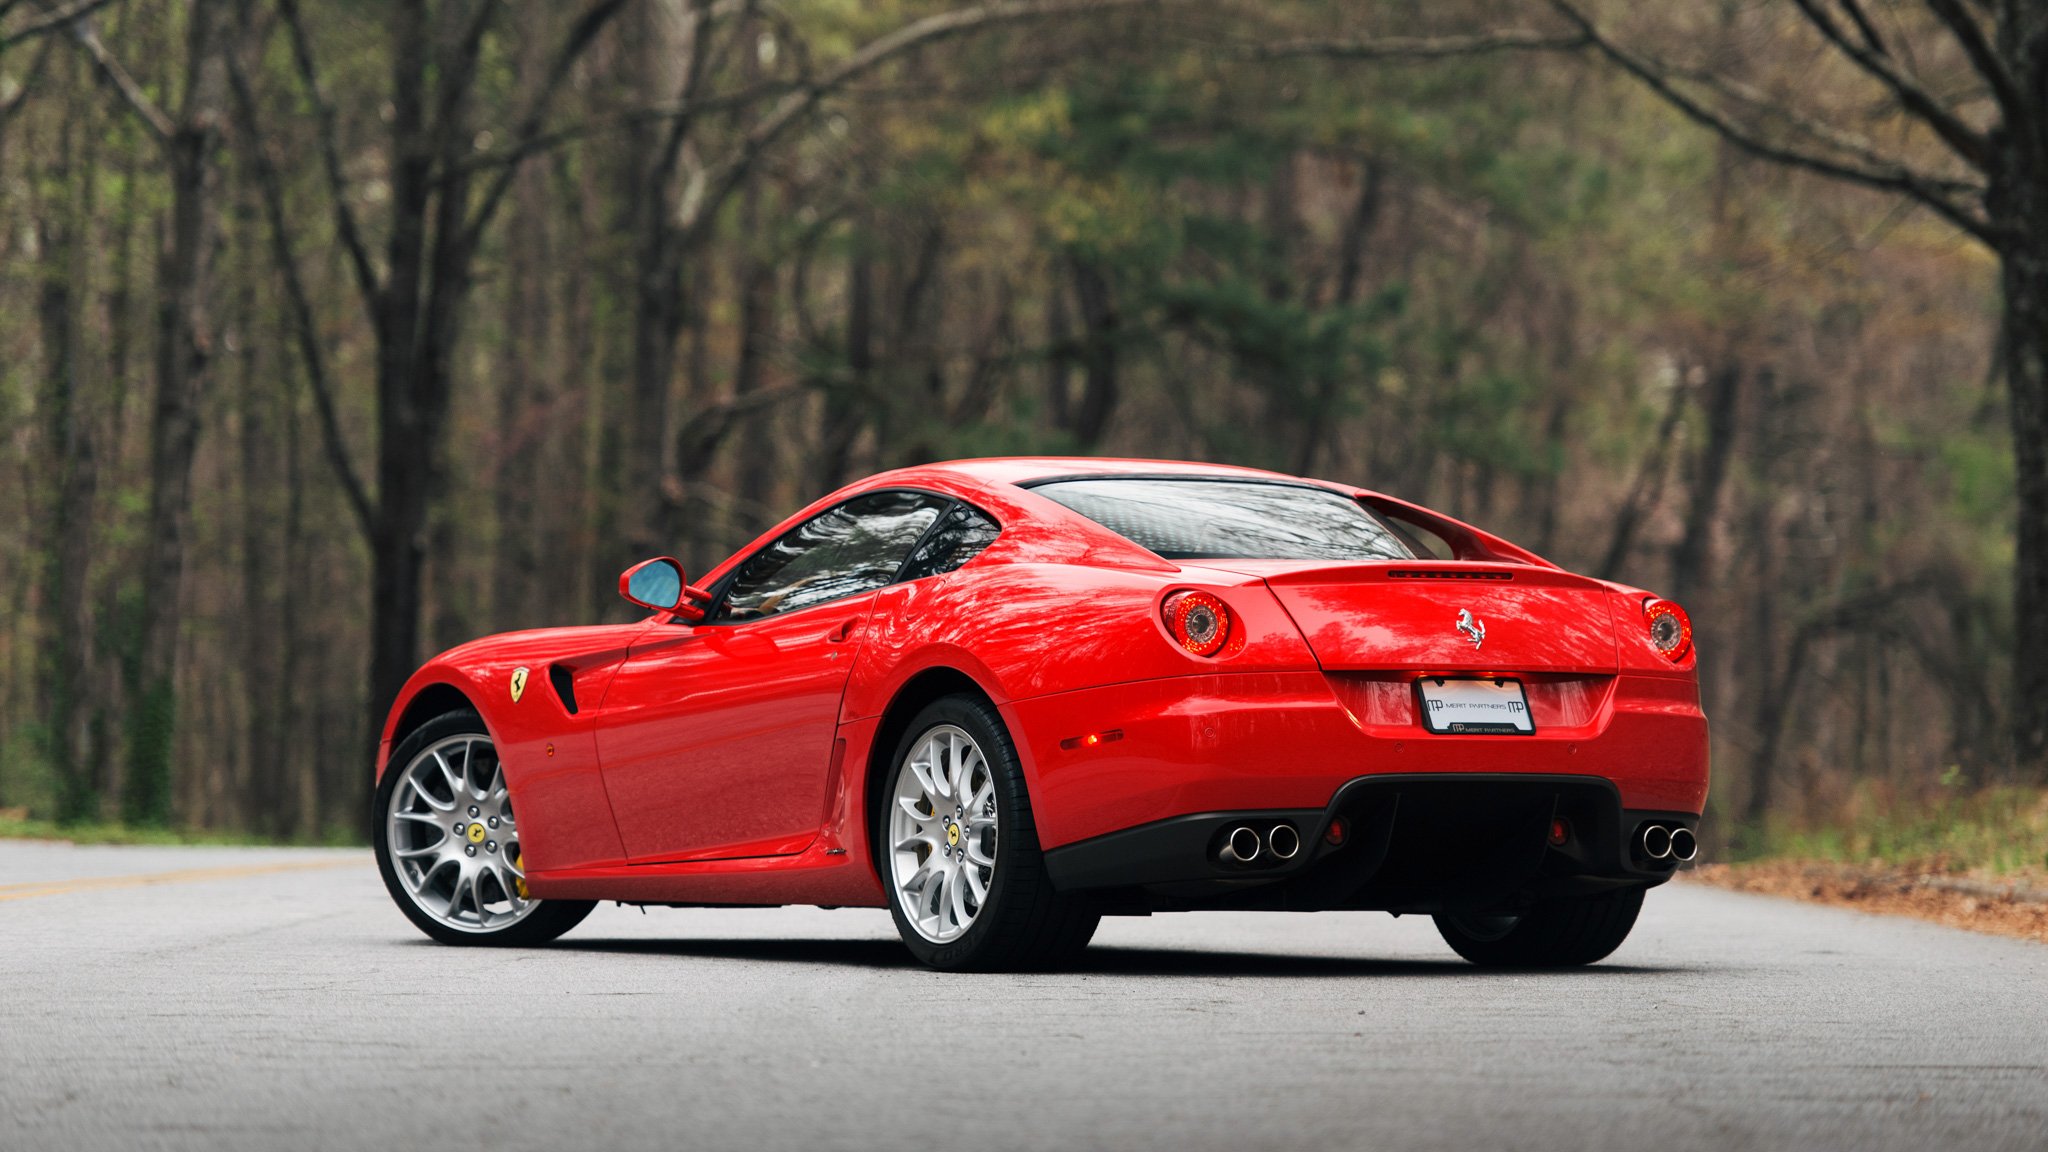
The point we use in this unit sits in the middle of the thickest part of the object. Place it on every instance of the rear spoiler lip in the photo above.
(1468, 573)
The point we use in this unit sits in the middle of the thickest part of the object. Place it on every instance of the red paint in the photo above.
(730, 762)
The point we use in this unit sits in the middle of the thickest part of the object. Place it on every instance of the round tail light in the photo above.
(1198, 622)
(1670, 628)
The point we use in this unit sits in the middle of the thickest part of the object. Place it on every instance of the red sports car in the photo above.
(1006, 698)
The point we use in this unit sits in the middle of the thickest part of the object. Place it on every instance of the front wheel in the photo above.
(959, 850)
(447, 841)
(1556, 934)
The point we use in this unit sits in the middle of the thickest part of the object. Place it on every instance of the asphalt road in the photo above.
(274, 999)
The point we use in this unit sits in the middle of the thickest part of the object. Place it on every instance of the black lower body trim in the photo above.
(1404, 843)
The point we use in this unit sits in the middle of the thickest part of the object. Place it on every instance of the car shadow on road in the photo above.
(1097, 961)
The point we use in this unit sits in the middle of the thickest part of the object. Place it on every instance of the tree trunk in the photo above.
(406, 448)
(1692, 559)
(2024, 355)
(67, 541)
(1101, 328)
(845, 400)
(755, 276)
(181, 374)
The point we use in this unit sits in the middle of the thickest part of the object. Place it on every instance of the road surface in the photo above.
(274, 999)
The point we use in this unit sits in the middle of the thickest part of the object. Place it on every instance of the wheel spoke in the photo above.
(925, 783)
(506, 886)
(413, 783)
(977, 855)
(496, 787)
(976, 886)
(448, 777)
(954, 757)
(928, 839)
(956, 895)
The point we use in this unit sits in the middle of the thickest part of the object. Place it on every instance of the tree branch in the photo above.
(1984, 58)
(345, 228)
(1868, 170)
(580, 37)
(1966, 141)
(455, 77)
(153, 118)
(10, 106)
(1417, 48)
(873, 54)
(50, 22)
(304, 324)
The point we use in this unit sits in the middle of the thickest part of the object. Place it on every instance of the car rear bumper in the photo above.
(1105, 760)
(1404, 843)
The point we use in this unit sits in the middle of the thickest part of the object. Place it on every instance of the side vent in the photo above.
(564, 682)
(1449, 574)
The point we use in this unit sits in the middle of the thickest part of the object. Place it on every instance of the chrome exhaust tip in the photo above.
(1657, 842)
(1240, 846)
(1284, 841)
(1684, 845)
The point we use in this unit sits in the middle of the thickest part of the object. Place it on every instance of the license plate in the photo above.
(1475, 707)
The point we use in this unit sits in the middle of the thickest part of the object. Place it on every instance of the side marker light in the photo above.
(1108, 736)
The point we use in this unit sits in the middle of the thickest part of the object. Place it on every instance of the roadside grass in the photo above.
(1993, 831)
(14, 825)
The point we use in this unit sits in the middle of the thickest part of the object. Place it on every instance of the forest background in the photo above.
(334, 333)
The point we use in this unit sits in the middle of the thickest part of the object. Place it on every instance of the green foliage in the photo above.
(26, 781)
(94, 832)
(146, 790)
(1995, 830)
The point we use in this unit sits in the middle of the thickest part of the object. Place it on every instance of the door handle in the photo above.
(840, 633)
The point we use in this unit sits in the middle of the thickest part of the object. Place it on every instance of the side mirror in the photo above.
(658, 584)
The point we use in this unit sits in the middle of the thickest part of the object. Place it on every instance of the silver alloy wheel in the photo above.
(452, 839)
(942, 833)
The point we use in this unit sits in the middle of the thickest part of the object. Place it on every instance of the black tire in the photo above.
(1024, 924)
(1557, 934)
(549, 918)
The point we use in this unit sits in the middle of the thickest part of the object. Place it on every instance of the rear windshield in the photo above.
(1230, 520)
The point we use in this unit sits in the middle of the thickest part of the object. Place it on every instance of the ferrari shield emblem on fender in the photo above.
(1472, 626)
(518, 684)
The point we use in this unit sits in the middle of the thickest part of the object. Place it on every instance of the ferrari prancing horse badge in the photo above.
(518, 684)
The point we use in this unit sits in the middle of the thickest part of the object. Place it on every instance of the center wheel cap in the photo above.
(953, 835)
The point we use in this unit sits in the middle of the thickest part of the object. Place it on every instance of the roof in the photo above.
(1022, 469)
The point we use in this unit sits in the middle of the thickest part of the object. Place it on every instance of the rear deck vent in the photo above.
(1448, 574)
(565, 686)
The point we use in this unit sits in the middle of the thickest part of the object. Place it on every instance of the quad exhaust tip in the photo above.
(1284, 841)
(1675, 843)
(1241, 845)
(1684, 845)
(1657, 842)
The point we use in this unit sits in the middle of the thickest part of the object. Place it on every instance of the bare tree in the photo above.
(1990, 179)
(189, 137)
(1976, 156)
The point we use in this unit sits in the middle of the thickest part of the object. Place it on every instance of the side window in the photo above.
(959, 537)
(853, 548)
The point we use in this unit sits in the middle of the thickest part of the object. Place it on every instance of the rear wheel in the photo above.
(1556, 934)
(959, 853)
(447, 841)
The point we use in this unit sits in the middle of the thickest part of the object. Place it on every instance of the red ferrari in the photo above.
(1006, 698)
